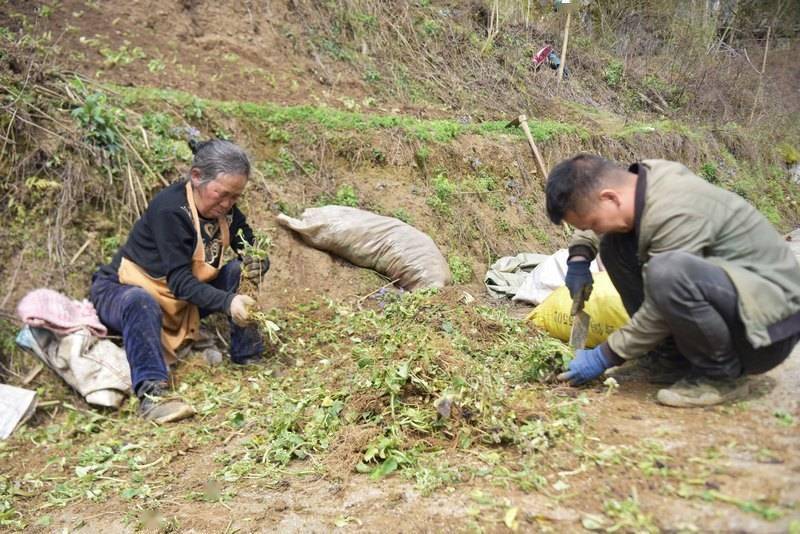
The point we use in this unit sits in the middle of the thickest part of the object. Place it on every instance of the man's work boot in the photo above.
(703, 391)
(156, 404)
(653, 367)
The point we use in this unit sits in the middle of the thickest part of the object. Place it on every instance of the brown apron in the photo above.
(181, 319)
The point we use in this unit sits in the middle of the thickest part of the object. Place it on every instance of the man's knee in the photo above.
(138, 303)
(665, 273)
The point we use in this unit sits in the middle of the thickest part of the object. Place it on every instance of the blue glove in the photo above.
(578, 276)
(588, 364)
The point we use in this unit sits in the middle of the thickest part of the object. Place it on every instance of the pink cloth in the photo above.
(50, 309)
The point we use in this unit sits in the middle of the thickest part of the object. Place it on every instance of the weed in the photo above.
(430, 27)
(460, 269)
(541, 237)
(770, 513)
(159, 123)
(402, 214)
(121, 56)
(278, 135)
(497, 203)
(100, 121)
(443, 190)
(784, 418)
(346, 196)
(544, 355)
(421, 156)
(9, 517)
(371, 75)
(709, 171)
(195, 109)
(789, 154)
(257, 250)
(108, 246)
(613, 73)
(269, 170)
(155, 66)
(377, 156)
(485, 182)
(627, 516)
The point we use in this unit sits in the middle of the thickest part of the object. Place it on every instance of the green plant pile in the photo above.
(372, 390)
(417, 374)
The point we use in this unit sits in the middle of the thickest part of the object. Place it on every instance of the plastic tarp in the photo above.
(385, 244)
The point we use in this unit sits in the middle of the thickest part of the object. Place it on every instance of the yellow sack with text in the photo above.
(604, 307)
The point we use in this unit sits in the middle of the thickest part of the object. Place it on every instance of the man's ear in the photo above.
(612, 195)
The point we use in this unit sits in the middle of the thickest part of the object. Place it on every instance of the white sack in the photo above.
(546, 278)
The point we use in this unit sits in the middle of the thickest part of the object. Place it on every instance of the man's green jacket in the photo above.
(681, 211)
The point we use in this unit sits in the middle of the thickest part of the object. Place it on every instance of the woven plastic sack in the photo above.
(387, 245)
(604, 307)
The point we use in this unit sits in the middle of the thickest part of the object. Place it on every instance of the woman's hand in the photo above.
(240, 309)
(254, 269)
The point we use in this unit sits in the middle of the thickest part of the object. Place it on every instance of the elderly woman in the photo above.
(169, 274)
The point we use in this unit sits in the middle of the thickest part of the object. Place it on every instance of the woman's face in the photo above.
(216, 198)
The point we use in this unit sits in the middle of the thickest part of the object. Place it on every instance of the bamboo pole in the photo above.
(564, 48)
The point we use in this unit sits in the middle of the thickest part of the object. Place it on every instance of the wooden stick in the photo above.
(80, 250)
(361, 299)
(32, 374)
(13, 283)
(523, 121)
(761, 77)
(564, 49)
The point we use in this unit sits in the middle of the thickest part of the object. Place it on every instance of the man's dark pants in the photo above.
(134, 313)
(699, 303)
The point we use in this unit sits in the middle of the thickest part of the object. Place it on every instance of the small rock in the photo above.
(212, 356)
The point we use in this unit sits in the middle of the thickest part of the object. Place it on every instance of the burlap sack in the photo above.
(387, 245)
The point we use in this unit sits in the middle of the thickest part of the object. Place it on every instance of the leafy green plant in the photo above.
(402, 214)
(121, 56)
(371, 75)
(346, 196)
(460, 269)
(430, 27)
(99, 119)
(613, 73)
(155, 66)
(709, 171)
(443, 190)
(383, 457)
(195, 109)
(627, 516)
(9, 517)
(258, 250)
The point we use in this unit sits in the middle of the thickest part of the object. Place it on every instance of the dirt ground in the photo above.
(747, 455)
(718, 469)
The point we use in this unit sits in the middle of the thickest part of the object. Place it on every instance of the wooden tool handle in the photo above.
(523, 121)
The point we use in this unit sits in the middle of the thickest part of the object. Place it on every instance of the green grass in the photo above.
(438, 130)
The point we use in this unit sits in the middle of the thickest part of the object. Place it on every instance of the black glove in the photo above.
(578, 276)
(254, 268)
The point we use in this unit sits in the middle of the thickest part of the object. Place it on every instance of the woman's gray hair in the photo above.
(217, 156)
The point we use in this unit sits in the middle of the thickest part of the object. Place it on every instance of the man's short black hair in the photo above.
(571, 181)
